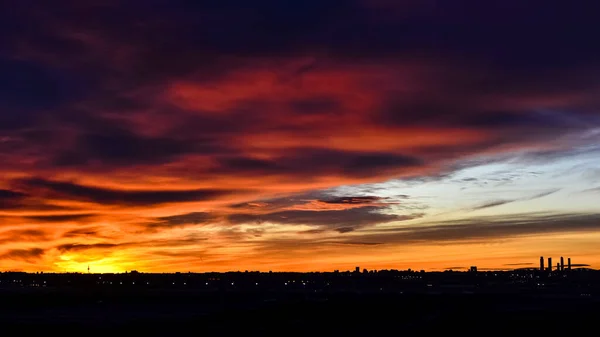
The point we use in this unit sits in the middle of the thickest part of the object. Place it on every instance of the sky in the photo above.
(310, 135)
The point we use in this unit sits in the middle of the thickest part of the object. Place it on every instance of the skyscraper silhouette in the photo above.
(541, 263)
(562, 263)
(549, 264)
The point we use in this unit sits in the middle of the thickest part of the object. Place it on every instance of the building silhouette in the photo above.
(569, 263)
(549, 264)
(541, 263)
(562, 263)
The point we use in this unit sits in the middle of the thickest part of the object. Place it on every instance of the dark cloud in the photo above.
(188, 240)
(305, 161)
(354, 200)
(13, 200)
(23, 254)
(579, 265)
(489, 228)
(93, 232)
(362, 164)
(59, 218)
(323, 196)
(194, 218)
(28, 90)
(28, 233)
(23, 235)
(542, 194)
(341, 220)
(122, 149)
(592, 190)
(504, 202)
(74, 191)
(81, 247)
(313, 231)
(492, 204)
(108, 62)
(317, 105)
(7, 195)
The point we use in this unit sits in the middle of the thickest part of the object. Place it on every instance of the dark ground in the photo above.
(174, 313)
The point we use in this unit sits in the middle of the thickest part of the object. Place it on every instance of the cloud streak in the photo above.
(100, 195)
(23, 254)
(490, 228)
(504, 202)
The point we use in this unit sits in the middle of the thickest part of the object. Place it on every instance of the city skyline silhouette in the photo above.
(167, 136)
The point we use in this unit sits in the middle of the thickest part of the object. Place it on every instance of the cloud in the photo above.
(23, 235)
(23, 254)
(59, 218)
(341, 220)
(75, 247)
(8, 195)
(119, 148)
(91, 231)
(504, 202)
(492, 204)
(321, 202)
(117, 115)
(14, 200)
(304, 161)
(354, 200)
(542, 194)
(591, 190)
(488, 228)
(194, 218)
(74, 191)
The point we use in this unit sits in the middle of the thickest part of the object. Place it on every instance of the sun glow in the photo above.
(80, 264)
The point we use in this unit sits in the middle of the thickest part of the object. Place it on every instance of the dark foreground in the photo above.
(174, 313)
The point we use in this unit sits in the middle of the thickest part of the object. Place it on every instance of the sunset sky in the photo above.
(313, 135)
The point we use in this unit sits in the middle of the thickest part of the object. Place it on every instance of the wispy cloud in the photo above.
(592, 190)
(23, 254)
(504, 202)
(487, 228)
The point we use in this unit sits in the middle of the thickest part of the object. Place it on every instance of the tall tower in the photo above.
(562, 263)
(569, 263)
(541, 263)
(549, 264)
